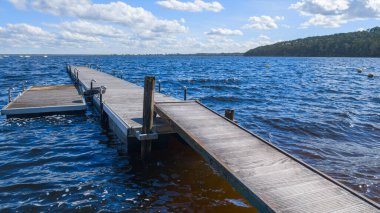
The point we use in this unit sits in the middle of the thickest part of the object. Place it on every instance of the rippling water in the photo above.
(319, 109)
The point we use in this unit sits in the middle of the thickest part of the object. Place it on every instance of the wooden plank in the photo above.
(268, 177)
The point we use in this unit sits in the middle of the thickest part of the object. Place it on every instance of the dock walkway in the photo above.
(269, 178)
(123, 101)
(261, 172)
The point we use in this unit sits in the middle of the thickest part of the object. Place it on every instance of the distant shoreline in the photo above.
(186, 55)
(354, 44)
(195, 54)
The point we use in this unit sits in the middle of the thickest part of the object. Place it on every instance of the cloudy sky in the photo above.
(172, 26)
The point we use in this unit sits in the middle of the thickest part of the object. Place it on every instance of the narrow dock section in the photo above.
(46, 100)
(122, 102)
(269, 178)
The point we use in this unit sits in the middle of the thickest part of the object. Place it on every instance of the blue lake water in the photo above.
(321, 110)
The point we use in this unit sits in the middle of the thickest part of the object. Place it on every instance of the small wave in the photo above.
(375, 99)
(206, 80)
(22, 186)
(220, 87)
(237, 203)
(221, 98)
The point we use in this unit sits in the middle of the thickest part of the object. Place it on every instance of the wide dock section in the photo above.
(46, 100)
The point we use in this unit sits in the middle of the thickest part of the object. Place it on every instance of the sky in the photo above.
(172, 26)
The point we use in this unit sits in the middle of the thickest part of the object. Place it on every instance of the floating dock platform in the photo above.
(37, 100)
(268, 177)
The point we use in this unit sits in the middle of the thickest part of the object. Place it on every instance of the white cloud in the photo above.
(324, 21)
(114, 27)
(16, 38)
(321, 6)
(25, 35)
(136, 18)
(222, 44)
(78, 37)
(195, 6)
(224, 32)
(90, 28)
(28, 38)
(374, 5)
(263, 22)
(261, 40)
(19, 4)
(264, 38)
(334, 13)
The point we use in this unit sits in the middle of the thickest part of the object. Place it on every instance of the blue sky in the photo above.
(172, 26)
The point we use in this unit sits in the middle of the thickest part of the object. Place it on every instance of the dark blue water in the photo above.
(319, 109)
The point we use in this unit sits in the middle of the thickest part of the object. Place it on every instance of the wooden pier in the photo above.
(39, 100)
(122, 102)
(269, 178)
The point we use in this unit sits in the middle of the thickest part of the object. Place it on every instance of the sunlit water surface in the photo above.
(321, 110)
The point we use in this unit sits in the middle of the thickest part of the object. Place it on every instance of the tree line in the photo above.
(355, 44)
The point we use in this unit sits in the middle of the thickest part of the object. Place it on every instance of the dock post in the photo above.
(148, 113)
(10, 94)
(101, 104)
(77, 78)
(184, 93)
(230, 114)
(159, 85)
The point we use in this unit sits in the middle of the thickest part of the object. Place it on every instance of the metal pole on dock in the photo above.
(159, 85)
(10, 94)
(148, 113)
(230, 114)
(92, 86)
(101, 104)
(184, 93)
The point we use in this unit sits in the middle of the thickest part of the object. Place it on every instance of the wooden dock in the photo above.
(269, 178)
(122, 102)
(45, 100)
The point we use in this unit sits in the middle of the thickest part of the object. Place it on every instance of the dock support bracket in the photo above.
(146, 137)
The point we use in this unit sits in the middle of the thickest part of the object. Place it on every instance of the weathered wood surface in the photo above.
(123, 98)
(269, 178)
(46, 99)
